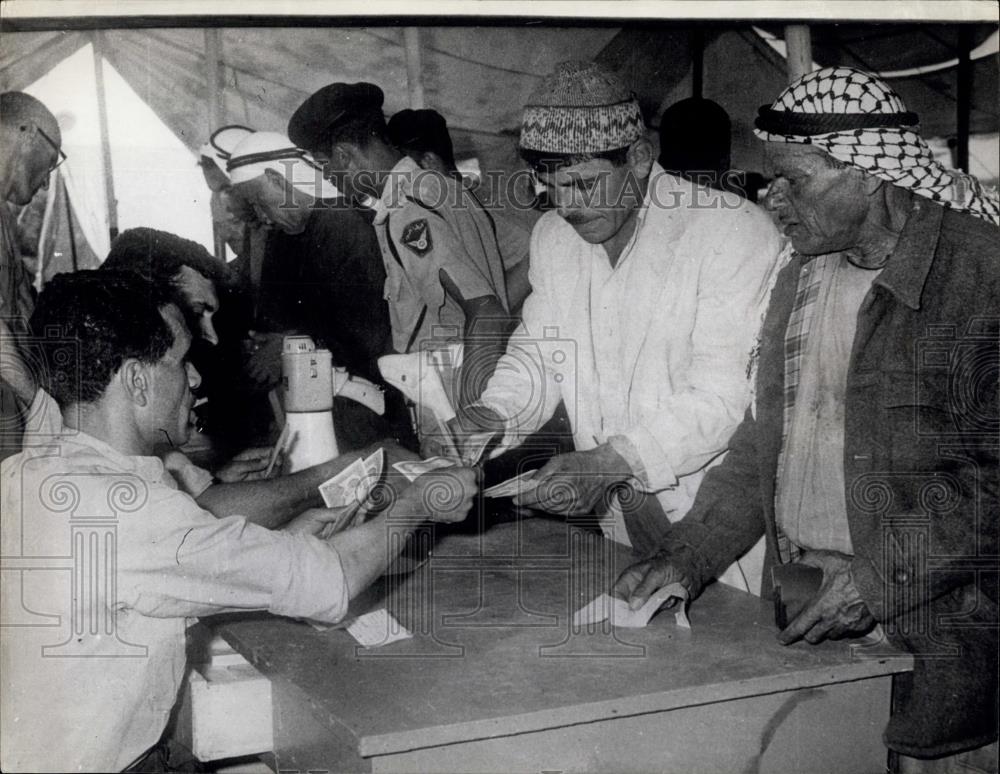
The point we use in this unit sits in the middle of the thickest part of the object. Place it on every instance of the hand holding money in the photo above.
(439, 495)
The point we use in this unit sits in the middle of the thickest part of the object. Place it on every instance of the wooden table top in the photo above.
(494, 652)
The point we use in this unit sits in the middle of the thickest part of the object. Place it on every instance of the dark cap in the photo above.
(314, 120)
(421, 130)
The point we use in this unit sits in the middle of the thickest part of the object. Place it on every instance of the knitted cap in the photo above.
(580, 108)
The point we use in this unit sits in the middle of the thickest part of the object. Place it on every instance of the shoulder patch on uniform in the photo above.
(417, 237)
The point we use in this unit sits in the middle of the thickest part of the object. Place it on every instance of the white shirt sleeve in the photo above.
(189, 563)
(525, 388)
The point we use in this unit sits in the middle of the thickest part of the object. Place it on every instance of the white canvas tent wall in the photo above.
(156, 178)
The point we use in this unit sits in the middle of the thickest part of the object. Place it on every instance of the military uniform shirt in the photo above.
(427, 222)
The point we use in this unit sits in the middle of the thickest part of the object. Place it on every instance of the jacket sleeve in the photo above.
(727, 517)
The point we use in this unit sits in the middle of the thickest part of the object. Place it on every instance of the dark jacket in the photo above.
(329, 283)
(921, 472)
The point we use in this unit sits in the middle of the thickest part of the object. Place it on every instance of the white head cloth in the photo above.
(220, 146)
(270, 150)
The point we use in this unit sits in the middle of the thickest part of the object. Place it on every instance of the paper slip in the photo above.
(606, 606)
(377, 628)
(513, 486)
(414, 468)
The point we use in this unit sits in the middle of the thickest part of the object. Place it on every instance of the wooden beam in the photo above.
(414, 84)
(97, 40)
(798, 43)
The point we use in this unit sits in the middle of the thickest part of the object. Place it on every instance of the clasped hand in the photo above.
(837, 610)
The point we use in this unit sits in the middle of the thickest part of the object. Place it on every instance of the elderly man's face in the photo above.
(596, 197)
(820, 208)
(38, 157)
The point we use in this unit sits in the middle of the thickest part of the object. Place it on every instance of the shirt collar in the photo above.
(906, 271)
(655, 174)
(148, 468)
(392, 193)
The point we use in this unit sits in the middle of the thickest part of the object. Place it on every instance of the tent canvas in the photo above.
(478, 77)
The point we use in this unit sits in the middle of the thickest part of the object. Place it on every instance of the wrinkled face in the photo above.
(200, 301)
(166, 417)
(37, 158)
(820, 208)
(595, 197)
(273, 203)
(230, 216)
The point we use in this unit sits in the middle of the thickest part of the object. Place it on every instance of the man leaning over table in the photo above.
(872, 450)
(657, 285)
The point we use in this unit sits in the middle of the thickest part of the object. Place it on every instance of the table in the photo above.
(496, 678)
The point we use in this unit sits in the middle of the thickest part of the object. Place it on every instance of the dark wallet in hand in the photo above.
(794, 587)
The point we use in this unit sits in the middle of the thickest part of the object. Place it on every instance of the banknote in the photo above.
(413, 468)
(512, 486)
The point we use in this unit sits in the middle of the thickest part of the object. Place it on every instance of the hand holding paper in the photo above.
(621, 614)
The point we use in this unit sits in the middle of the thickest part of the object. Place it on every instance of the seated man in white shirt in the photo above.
(92, 668)
(190, 276)
(647, 294)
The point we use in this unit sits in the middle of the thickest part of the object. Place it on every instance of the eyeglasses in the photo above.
(61, 156)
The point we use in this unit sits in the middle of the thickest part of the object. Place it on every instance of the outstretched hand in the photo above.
(248, 465)
(438, 495)
(640, 581)
(573, 484)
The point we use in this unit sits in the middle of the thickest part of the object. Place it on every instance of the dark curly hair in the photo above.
(88, 323)
(159, 257)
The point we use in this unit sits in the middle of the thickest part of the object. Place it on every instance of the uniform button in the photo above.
(902, 576)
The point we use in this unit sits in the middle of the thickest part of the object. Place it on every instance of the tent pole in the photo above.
(411, 40)
(45, 234)
(963, 103)
(102, 112)
(213, 56)
(69, 225)
(798, 43)
(697, 61)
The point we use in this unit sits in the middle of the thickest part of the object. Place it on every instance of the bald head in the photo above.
(30, 148)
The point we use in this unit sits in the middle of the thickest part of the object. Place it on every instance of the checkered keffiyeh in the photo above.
(858, 119)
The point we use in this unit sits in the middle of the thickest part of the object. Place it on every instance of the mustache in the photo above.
(575, 219)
